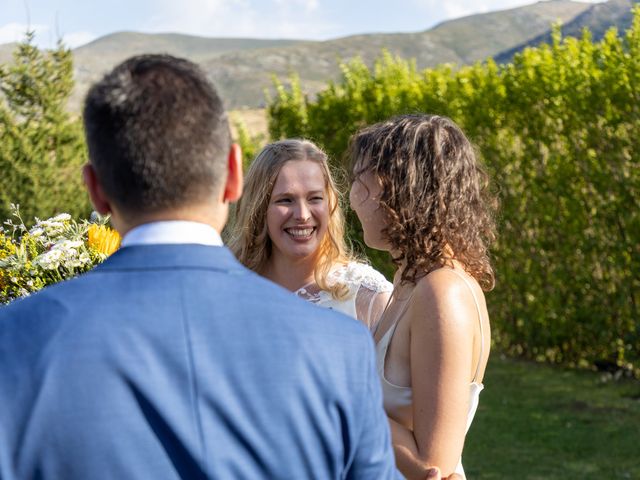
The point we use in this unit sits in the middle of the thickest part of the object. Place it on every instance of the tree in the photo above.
(41, 144)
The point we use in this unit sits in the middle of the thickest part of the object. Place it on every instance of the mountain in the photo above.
(599, 18)
(243, 68)
(94, 59)
(125, 44)
(242, 76)
(6, 52)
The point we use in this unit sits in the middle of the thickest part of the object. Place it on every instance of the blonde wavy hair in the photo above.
(250, 241)
(434, 194)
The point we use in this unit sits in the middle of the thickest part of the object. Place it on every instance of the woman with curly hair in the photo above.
(289, 228)
(420, 194)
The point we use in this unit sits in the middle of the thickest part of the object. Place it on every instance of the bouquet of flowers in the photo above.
(51, 251)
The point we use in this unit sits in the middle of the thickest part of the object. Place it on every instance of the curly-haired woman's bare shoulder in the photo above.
(447, 295)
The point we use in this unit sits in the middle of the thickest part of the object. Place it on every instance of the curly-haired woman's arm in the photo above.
(443, 320)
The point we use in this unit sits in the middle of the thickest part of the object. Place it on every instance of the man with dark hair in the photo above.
(170, 359)
(158, 135)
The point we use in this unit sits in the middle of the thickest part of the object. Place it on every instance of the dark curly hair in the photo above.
(434, 192)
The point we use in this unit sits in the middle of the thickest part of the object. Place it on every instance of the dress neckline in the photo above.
(383, 344)
(385, 340)
(303, 288)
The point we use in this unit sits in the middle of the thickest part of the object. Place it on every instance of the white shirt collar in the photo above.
(175, 231)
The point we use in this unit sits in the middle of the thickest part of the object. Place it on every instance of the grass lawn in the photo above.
(540, 422)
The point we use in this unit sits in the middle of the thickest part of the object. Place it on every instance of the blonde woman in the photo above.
(420, 194)
(289, 228)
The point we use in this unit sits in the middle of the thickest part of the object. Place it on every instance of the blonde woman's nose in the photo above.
(302, 212)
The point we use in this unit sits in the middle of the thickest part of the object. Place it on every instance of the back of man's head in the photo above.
(158, 135)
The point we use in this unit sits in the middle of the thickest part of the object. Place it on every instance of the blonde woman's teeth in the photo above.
(299, 232)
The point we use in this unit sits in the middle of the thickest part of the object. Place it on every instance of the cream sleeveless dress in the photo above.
(367, 295)
(398, 400)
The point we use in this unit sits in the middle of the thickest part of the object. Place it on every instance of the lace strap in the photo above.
(370, 311)
(405, 307)
(370, 305)
(363, 275)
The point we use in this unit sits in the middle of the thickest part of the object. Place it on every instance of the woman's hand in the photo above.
(433, 473)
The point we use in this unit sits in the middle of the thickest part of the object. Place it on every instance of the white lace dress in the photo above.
(367, 296)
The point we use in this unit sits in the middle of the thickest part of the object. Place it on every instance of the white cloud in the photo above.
(195, 16)
(462, 9)
(45, 37)
(241, 18)
(450, 9)
(15, 32)
(76, 39)
(308, 5)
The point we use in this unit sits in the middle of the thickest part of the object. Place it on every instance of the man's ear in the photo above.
(98, 199)
(233, 186)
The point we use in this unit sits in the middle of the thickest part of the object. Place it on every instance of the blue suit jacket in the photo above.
(174, 361)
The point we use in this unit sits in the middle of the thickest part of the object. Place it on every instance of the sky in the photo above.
(80, 21)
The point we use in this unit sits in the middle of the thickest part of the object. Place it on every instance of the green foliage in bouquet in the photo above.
(50, 251)
(559, 129)
(41, 145)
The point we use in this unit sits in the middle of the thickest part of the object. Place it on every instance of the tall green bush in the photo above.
(249, 144)
(41, 144)
(559, 129)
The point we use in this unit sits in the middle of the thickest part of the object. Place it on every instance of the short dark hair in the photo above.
(157, 133)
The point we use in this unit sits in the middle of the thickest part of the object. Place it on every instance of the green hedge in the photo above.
(559, 129)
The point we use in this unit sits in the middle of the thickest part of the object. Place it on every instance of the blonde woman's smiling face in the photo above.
(298, 211)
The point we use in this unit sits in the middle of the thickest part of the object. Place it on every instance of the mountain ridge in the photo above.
(599, 18)
(242, 68)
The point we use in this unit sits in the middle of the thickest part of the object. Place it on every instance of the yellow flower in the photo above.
(103, 239)
(6, 247)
